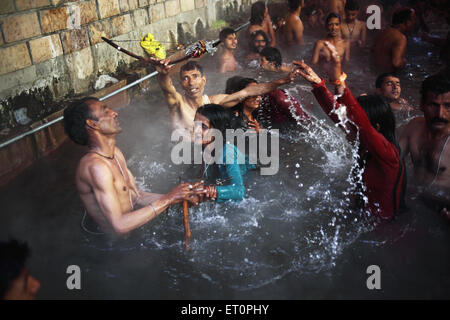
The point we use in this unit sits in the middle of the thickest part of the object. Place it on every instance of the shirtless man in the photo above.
(321, 52)
(353, 29)
(388, 86)
(184, 106)
(106, 187)
(390, 45)
(293, 28)
(258, 41)
(427, 140)
(337, 6)
(227, 62)
(260, 20)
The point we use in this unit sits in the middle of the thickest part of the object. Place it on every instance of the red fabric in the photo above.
(383, 164)
(278, 103)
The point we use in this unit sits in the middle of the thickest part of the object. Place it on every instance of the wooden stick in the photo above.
(187, 230)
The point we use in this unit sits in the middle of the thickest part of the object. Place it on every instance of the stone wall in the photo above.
(52, 49)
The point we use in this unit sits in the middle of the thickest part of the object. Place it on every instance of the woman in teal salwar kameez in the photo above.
(234, 164)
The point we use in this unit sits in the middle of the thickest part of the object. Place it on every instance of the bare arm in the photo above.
(398, 53)
(316, 51)
(102, 182)
(271, 32)
(298, 32)
(173, 98)
(363, 34)
(230, 100)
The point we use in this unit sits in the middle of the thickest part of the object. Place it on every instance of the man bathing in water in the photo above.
(227, 62)
(427, 140)
(388, 86)
(184, 106)
(106, 187)
(260, 20)
(292, 30)
(258, 41)
(321, 52)
(352, 29)
(390, 45)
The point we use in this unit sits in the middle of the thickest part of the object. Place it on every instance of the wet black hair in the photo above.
(217, 115)
(237, 83)
(224, 33)
(294, 4)
(191, 65)
(75, 116)
(253, 36)
(331, 16)
(13, 256)
(402, 16)
(272, 55)
(383, 76)
(380, 112)
(352, 5)
(309, 11)
(438, 84)
(257, 12)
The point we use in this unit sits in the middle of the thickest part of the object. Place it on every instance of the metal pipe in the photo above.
(45, 125)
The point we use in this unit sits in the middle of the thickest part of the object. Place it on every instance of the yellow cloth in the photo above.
(153, 47)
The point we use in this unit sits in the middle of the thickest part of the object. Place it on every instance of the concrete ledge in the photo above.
(17, 156)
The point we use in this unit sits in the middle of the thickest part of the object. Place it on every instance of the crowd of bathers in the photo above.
(108, 189)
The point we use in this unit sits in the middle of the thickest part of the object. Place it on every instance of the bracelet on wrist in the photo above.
(341, 80)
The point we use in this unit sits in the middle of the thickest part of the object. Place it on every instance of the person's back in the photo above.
(389, 50)
(390, 45)
(293, 29)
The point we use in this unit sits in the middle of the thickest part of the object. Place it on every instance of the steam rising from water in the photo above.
(296, 222)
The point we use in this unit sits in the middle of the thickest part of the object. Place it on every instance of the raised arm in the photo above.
(173, 98)
(230, 100)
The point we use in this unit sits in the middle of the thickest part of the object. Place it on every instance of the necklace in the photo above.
(351, 31)
(102, 155)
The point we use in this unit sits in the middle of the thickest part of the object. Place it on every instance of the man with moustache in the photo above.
(427, 140)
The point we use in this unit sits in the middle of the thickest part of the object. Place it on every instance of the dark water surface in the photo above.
(295, 236)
